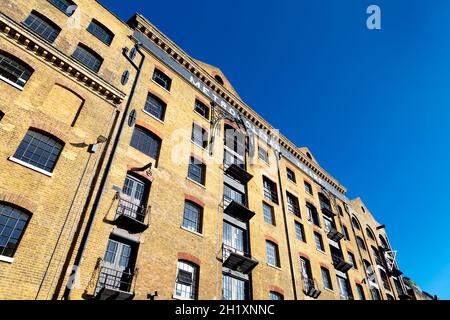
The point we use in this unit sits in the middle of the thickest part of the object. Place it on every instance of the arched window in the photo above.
(12, 225)
(66, 6)
(186, 282)
(13, 70)
(101, 32)
(192, 216)
(38, 150)
(384, 243)
(273, 257)
(155, 106)
(361, 244)
(146, 142)
(219, 79)
(88, 57)
(370, 233)
(275, 296)
(356, 224)
(42, 26)
(384, 279)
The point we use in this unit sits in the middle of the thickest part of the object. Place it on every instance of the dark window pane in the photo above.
(192, 217)
(162, 79)
(12, 224)
(42, 26)
(14, 70)
(87, 58)
(146, 142)
(155, 107)
(66, 6)
(196, 171)
(38, 150)
(202, 109)
(101, 32)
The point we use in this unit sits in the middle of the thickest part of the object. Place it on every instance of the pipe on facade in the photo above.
(111, 158)
(286, 227)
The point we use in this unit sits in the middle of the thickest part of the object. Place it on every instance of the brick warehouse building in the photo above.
(129, 168)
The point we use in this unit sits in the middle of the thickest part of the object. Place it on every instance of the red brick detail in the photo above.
(18, 200)
(194, 199)
(50, 127)
(198, 123)
(198, 158)
(231, 123)
(150, 128)
(324, 265)
(269, 238)
(304, 255)
(276, 289)
(358, 282)
(188, 257)
(140, 173)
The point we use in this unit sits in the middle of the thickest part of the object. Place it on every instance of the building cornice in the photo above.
(141, 24)
(14, 32)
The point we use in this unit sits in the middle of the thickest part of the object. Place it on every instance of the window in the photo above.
(356, 224)
(273, 258)
(14, 71)
(234, 141)
(12, 226)
(384, 279)
(263, 154)
(308, 188)
(370, 233)
(319, 241)
(360, 242)
(313, 216)
(290, 175)
(162, 79)
(155, 106)
(88, 58)
(42, 26)
(2, 114)
(360, 291)
(199, 136)
(341, 213)
(38, 150)
(268, 214)
(192, 217)
(231, 194)
(375, 294)
(306, 269)
(292, 204)
(270, 190)
(234, 288)
(344, 288)
(300, 232)
(101, 32)
(345, 231)
(66, 6)
(133, 199)
(197, 171)
(326, 278)
(351, 258)
(202, 109)
(146, 142)
(363, 210)
(324, 203)
(219, 79)
(275, 296)
(234, 238)
(187, 280)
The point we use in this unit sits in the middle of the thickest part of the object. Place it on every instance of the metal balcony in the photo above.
(340, 264)
(334, 235)
(310, 288)
(238, 172)
(395, 272)
(237, 260)
(236, 209)
(131, 216)
(113, 284)
(327, 210)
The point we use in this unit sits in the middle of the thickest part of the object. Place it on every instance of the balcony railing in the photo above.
(237, 209)
(131, 216)
(114, 284)
(234, 166)
(333, 234)
(340, 264)
(238, 260)
(310, 288)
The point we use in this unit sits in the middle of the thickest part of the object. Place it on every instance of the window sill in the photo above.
(329, 290)
(198, 184)
(174, 296)
(30, 166)
(275, 267)
(155, 118)
(192, 231)
(321, 251)
(160, 86)
(6, 259)
(15, 85)
(201, 147)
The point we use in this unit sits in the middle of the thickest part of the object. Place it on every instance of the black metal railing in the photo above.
(333, 233)
(294, 208)
(115, 279)
(340, 264)
(310, 287)
(227, 250)
(131, 210)
(271, 195)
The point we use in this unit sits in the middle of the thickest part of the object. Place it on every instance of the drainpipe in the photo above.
(291, 262)
(98, 197)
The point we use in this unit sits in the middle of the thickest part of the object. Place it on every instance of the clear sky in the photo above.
(373, 106)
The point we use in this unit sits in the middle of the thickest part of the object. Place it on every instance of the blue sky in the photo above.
(373, 106)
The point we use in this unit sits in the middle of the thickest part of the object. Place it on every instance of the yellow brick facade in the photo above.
(68, 213)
